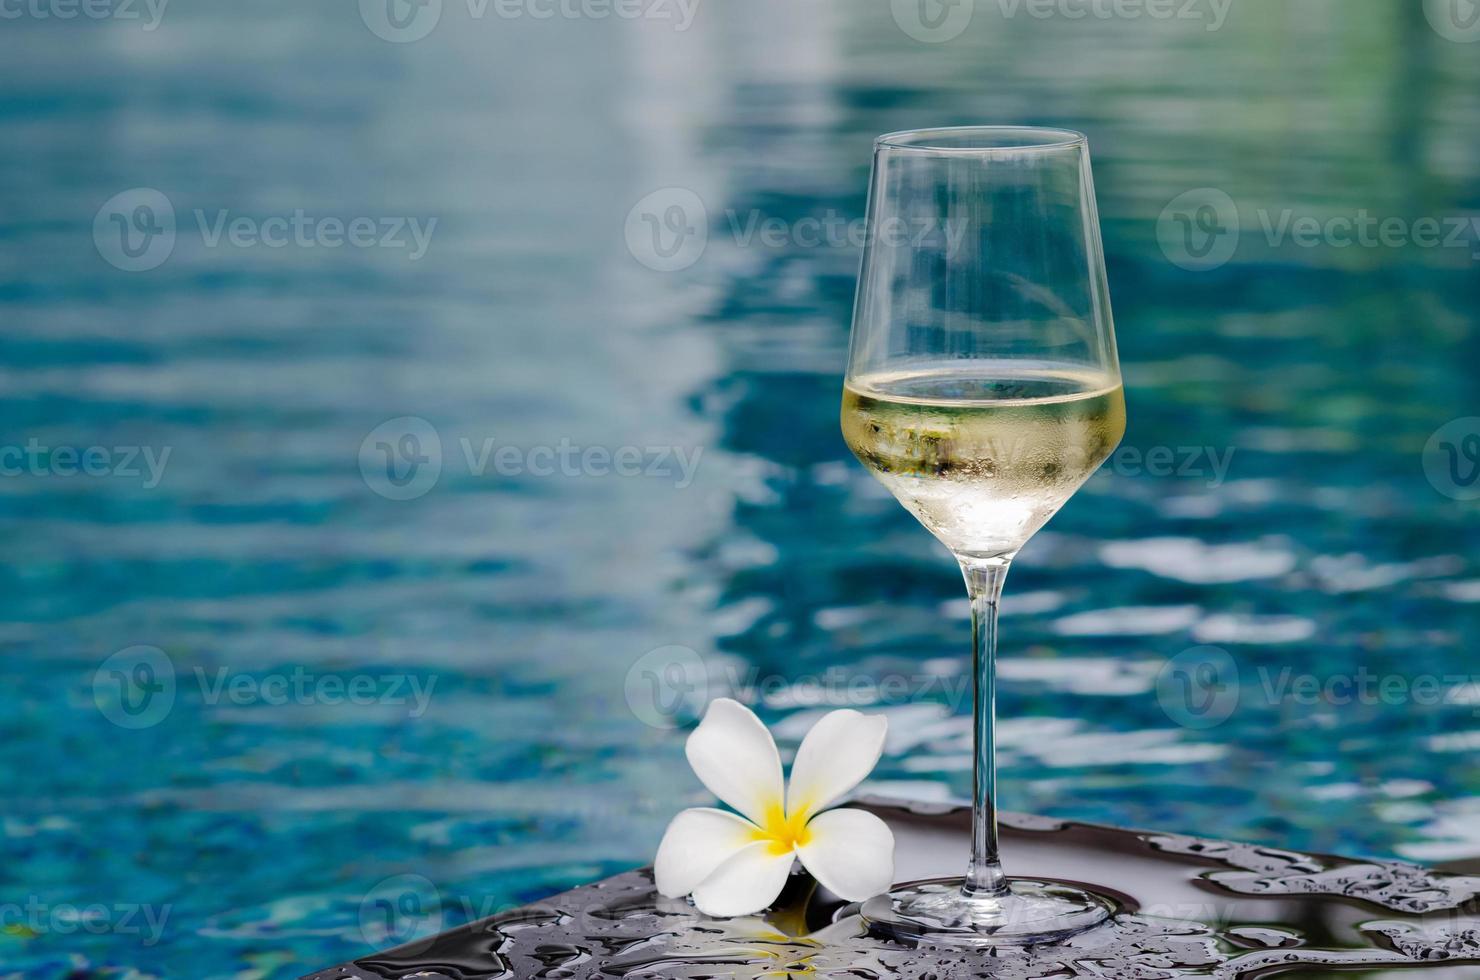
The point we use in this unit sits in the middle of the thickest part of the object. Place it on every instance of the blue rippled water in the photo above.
(258, 688)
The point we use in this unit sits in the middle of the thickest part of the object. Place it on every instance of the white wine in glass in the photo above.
(983, 389)
(984, 457)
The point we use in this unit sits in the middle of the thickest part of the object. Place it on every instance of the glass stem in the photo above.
(984, 578)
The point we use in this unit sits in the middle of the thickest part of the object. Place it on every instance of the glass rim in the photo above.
(981, 139)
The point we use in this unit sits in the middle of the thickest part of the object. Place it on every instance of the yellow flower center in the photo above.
(785, 833)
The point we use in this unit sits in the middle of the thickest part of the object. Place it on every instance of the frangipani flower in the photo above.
(737, 865)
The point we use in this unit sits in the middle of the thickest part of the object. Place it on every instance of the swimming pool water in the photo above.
(371, 578)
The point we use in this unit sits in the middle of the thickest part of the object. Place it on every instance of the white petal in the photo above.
(695, 843)
(734, 755)
(836, 755)
(746, 883)
(851, 852)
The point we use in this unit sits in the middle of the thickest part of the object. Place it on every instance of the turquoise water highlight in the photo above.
(266, 818)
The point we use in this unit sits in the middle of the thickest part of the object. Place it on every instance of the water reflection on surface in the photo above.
(1322, 549)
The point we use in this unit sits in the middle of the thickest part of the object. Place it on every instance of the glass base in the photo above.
(937, 912)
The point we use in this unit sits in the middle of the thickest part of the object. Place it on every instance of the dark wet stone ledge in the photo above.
(1189, 907)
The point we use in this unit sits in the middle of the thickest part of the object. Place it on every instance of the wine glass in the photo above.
(983, 389)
